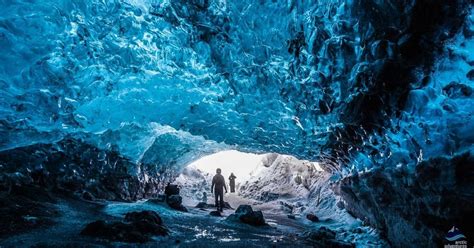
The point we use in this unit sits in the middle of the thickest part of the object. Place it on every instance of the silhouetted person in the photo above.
(232, 182)
(204, 197)
(218, 185)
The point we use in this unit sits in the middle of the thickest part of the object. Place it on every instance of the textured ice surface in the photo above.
(355, 82)
(359, 85)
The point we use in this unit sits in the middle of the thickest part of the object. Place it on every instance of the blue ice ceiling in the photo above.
(359, 83)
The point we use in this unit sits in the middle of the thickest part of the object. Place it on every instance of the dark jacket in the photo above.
(218, 183)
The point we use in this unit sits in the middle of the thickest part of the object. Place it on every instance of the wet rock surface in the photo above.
(215, 213)
(245, 214)
(138, 227)
(33, 176)
(324, 237)
(312, 217)
(145, 216)
(205, 205)
(72, 166)
(176, 202)
(415, 209)
(158, 199)
(457, 90)
(23, 208)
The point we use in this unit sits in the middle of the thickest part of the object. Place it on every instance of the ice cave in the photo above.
(344, 123)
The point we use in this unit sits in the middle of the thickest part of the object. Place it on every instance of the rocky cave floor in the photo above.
(195, 228)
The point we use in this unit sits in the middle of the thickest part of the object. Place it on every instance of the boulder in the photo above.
(245, 214)
(138, 227)
(312, 217)
(470, 75)
(171, 189)
(269, 196)
(290, 216)
(215, 213)
(145, 216)
(255, 218)
(114, 231)
(175, 202)
(325, 237)
(88, 196)
(457, 90)
(244, 209)
(322, 233)
(287, 207)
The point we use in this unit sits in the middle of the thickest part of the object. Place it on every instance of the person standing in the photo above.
(232, 182)
(218, 186)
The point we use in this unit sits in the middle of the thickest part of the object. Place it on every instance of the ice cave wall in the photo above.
(361, 85)
(345, 80)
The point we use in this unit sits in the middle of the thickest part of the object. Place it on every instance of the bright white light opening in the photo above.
(240, 163)
(262, 171)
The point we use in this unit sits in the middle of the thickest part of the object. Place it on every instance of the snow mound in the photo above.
(280, 176)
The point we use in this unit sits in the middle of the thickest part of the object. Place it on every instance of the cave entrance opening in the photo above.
(260, 178)
(196, 178)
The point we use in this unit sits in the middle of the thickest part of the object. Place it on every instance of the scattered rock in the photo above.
(203, 205)
(245, 214)
(23, 208)
(340, 204)
(323, 233)
(158, 199)
(457, 90)
(312, 217)
(138, 228)
(145, 216)
(175, 202)
(244, 209)
(269, 196)
(470, 75)
(254, 218)
(325, 237)
(88, 196)
(115, 231)
(215, 213)
(287, 207)
(171, 189)
(290, 216)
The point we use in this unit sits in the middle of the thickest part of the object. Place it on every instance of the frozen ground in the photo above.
(193, 229)
(281, 185)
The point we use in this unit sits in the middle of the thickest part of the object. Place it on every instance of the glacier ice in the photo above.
(362, 86)
(302, 78)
